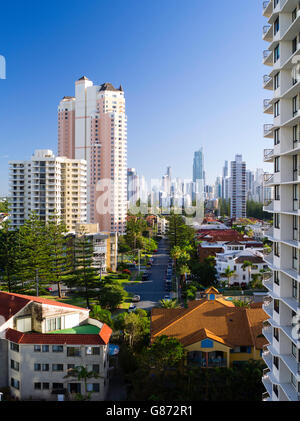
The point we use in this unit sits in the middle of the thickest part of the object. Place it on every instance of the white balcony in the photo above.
(268, 58)
(268, 155)
(268, 130)
(269, 205)
(268, 33)
(267, 8)
(290, 392)
(268, 308)
(268, 333)
(268, 106)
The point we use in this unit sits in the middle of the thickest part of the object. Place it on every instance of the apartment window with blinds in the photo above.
(276, 334)
(276, 277)
(276, 53)
(294, 14)
(295, 228)
(276, 81)
(295, 135)
(276, 137)
(276, 306)
(276, 109)
(277, 164)
(295, 258)
(276, 362)
(294, 45)
(295, 289)
(295, 168)
(295, 105)
(277, 249)
(277, 192)
(277, 220)
(276, 26)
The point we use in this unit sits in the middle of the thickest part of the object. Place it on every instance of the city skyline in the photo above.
(151, 123)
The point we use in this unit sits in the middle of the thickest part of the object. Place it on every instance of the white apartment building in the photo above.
(42, 340)
(234, 256)
(48, 185)
(238, 188)
(282, 355)
(93, 126)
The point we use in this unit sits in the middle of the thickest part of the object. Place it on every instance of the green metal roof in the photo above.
(82, 330)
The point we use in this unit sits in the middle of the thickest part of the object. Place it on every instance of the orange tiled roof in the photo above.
(218, 319)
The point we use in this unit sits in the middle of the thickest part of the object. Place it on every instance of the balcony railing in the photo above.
(266, 79)
(268, 153)
(267, 103)
(268, 128)
(266, 54)
(265, 4)
(266, 28)
(268, 178)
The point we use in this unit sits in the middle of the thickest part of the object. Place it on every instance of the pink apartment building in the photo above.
(93, 126)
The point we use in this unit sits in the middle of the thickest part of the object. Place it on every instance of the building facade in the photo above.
(93, 126)
(42, 340)
(238, 188)
(48, 185)
(282, 355)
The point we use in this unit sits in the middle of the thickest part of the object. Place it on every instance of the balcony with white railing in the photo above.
(267, 331)
(267, 357)
(268, 155)
(290, 392)
(268, 179)
(267, 33)
(268, 308)
(268, 130)
(268, 106)
(268, 82)
(268, 58)
(267, 8)
(269, 205)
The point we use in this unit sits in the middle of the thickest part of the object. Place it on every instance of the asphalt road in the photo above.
(152, 291)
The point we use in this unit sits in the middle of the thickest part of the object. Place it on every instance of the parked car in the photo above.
(49, 289)
(132, 307)
(136, 298)
(145, 276)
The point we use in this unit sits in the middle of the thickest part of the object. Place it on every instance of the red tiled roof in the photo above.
(11, 303)
(220, 235)
(60, 339)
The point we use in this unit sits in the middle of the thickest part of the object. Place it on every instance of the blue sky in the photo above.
(191, 70)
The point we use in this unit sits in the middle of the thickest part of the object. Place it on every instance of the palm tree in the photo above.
(81, 373)
(169, 303)
(228, 273)
(249, 265)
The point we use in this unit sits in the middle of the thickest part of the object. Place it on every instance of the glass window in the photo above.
(57, 348)
(73, 351)
(37, 348)
(45, 348)
(57, 367)
(276, 53)
(14, 347)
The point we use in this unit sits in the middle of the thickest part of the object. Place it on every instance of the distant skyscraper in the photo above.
(198, 166)
(93, 126)
(224, 176)
(249, 185)
(218, 188)
(238, 188)
(133, 186)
